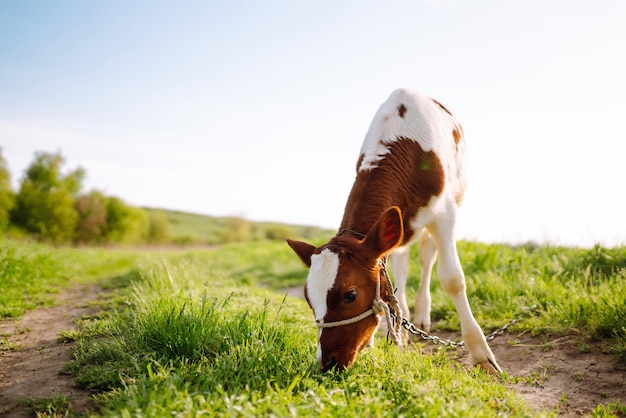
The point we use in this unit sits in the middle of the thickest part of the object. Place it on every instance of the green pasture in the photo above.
(211, 332)
(31, 274)
(197, 229)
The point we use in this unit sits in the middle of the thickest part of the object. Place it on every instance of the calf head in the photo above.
(341, 284)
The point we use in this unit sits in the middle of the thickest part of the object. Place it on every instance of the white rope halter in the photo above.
(379, 308)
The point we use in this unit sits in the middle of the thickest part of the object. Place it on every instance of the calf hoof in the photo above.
(422, 320)
(489, 365)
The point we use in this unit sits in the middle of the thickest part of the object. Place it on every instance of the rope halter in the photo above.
(379, 308)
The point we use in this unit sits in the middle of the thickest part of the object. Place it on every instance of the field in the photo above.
(197, 229)
(215, 332)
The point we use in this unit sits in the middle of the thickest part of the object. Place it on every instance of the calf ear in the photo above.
(303, 250)
(386, 234)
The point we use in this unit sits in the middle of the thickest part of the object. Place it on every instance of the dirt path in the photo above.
(34, 369)
(567, 373)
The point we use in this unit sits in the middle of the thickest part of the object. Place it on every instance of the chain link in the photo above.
(393, 311)
(449, 343)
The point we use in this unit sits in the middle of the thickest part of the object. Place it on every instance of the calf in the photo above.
(409, 183)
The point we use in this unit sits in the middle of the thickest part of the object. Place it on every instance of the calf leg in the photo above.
(453, 281)
(399, 265)
(428, 254)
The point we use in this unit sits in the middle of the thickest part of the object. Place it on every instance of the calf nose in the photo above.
(327, 364)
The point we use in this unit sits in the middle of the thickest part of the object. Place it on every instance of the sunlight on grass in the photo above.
(212, 331)
(32, 274)
(198, 338)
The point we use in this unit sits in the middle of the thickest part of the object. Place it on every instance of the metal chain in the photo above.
(501, 330)
(449, 343)
(395, 309)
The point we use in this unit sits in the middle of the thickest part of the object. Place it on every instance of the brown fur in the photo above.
(401, 110)
(457, 134)
(445, 109)
(408, 177)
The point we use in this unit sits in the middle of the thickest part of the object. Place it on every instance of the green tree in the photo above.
(92, 217)
(45, 203)
(124, 224)
(7, 197)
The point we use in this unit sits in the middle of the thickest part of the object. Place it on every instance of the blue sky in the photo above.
(258, 109)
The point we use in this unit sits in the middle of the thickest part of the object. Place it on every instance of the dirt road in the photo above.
(34, 369)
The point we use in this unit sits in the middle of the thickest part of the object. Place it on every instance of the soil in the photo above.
(568, 373)
(34, 369)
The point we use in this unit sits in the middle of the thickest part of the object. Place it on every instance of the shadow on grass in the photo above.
(122, 281)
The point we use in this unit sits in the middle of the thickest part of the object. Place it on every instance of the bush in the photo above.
(45, 201)
(278, 232)
(236, 230)
(125, 224)
(7, 197)
(159, 228)
(92, 218)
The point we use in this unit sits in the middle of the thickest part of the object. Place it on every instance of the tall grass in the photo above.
(553, 289)
(227, 348)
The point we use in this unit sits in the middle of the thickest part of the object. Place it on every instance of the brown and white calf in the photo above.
(409, 183)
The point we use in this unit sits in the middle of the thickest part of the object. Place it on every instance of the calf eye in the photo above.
(350, 296)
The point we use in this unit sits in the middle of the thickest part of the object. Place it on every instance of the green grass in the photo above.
(615, 409)
(212, 332)
(31, 275)
(28, 275)
(234, 349)
(193, 228)
(50, 407)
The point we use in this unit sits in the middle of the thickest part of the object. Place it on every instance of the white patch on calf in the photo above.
(321, 278)
(422, 121)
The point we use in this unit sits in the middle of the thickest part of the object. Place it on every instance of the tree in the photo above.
(7, 197)
(92, 217)
(45, 201)
(125, 224)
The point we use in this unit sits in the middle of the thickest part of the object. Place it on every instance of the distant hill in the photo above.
(192, 229)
